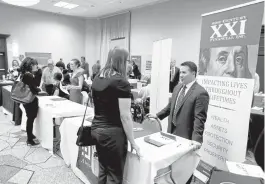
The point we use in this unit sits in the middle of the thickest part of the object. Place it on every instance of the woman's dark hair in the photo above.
(58, 76)
(60, 64)
(26, 65)
(77, 62)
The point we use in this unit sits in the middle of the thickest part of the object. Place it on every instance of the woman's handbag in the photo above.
(21, 93)
(84, 137)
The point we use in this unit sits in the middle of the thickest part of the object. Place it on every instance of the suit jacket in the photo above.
(192, 114)
(175, 80)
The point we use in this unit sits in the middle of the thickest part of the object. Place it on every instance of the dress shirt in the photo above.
(188, 86)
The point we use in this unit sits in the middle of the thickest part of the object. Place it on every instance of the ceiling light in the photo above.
(22, 2)
(61, 4)
(71, 6)
(66, 5)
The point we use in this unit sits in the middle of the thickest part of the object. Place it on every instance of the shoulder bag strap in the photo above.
(85, 113)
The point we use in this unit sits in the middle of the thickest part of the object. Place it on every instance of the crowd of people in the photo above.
(112, 125)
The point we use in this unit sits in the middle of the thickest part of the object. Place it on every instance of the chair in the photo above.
(152, 125)
(146, 105)
(259, 150)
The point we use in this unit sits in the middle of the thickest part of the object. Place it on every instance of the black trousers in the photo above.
(111, 146)
(31, 112)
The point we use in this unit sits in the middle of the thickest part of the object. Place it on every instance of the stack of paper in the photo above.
(245, 169)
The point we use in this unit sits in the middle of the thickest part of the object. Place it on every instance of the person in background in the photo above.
(144, 92)
(95, 69)
(28, 67)
(77, 80)
(112, 124)
(14, 70)
(85, 66)
(129, 71)
(174, 76)
(136, 72)
(66, 77)
(58, 91)
(69, 68)
(47, 80)
(60, 64)
(21, 58)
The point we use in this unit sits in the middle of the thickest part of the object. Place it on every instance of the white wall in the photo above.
(36, 31)
(92, 45)
(177, 19)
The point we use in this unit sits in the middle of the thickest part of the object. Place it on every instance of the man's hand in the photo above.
(151, 116)
(196, 145)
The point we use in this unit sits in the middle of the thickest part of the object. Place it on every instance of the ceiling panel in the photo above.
(92, 8)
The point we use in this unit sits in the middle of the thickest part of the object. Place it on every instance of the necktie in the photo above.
(178, 104)
(172, 73)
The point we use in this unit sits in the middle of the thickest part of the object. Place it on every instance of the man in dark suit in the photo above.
(187, 109)
(174, 77)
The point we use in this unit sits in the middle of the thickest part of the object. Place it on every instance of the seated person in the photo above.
(95, 70)
(144, 92)
(66, 78)
(58, 90)
(130, 71)
(14, 70)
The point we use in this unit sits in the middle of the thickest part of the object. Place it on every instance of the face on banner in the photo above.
(225, 61)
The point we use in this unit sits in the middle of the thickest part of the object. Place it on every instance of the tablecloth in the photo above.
(49, 109)
(3, 83)
(179, 155)
(8, 104)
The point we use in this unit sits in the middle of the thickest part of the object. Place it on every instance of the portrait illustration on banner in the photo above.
(235, 61)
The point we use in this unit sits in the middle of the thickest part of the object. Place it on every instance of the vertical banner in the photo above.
(159, 95)
(227, 64)
(85, 163)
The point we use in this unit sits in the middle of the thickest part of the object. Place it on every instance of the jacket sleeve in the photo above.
(200, 116)
(164, 112)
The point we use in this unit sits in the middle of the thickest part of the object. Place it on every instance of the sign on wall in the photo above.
(227, 65)
(42, 58)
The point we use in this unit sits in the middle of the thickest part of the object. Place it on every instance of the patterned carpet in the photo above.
(22, 164)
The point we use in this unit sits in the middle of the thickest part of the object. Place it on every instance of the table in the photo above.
(133, 83)
(48, 110)
(179, 155)
(136, 172)
(4, 83)
(7, 102)
(70, 150)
